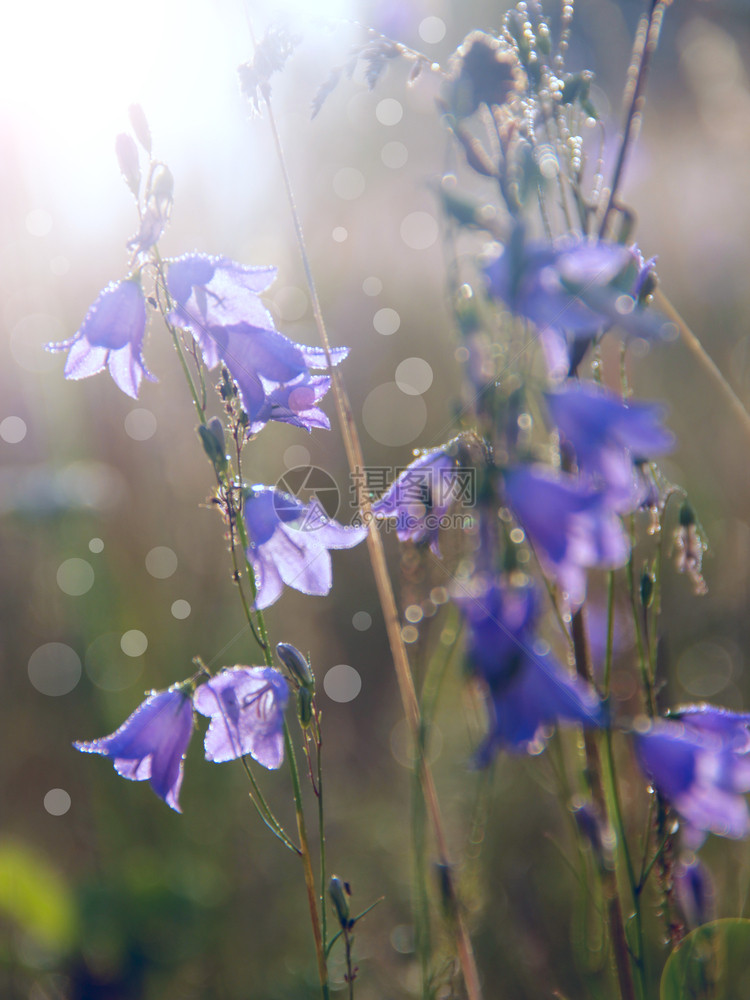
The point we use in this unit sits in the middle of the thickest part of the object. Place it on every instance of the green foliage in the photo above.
(712, 963)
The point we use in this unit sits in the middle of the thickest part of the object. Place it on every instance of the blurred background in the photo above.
(113, 572)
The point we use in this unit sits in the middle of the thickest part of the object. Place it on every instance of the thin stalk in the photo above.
(595, 777)
(707, 364)
(312, 897)
(644, 47)
(321, 834)
(386, 596)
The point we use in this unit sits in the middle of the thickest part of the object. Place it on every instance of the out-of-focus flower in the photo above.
(218, 301)
(527, 690)
(695, 892)
(421, 496)
(246, 707)
(483, 70)
(699, 760)
(571, 526)
(571, 291)
(289, 543)
(608, 437)
(111, 335)
(151, 744)
(127, 159)
(689, 548)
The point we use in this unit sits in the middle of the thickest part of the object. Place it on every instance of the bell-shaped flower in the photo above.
(527, 691)
(111, 335)
(289, 543)
(294, 403)
(572, 291)
(246, 707)
(218, 301)
(609, 437)
(571, 526)
(699, 760)
(151, 744)
(421, 495)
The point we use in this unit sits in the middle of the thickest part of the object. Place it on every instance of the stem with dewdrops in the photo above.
(386, 596)
(256, 622)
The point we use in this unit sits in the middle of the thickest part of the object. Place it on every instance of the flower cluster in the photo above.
(246, 708)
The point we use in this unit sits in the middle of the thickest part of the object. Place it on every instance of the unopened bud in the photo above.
(340, 892)
(212, 438)
(296, 663)
(140, 126)
(305, 707)
(647, 589)
(127, 158)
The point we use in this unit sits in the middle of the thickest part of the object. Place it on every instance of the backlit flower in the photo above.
(151, 744)
(421, 496)
(246, 707)
(527, 689)
(111, 335)
(608, 436)
(699, 760)
(571, 526)
(218, 301)
(289, 543)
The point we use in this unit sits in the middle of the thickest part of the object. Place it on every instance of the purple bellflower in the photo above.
(289, 543)
(695, 891)
(420, 497)
(571, 526)
(572, 292)
(246, 707)
(217, 301)
(111, 335)
(608, 438)
(527, 690)
(151, 744)
(699, 760)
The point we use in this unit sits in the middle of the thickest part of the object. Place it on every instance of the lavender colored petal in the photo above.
(268, 583)
(246, 706)
(84, 360)
(151, 743)
(315, 357)
(217, 291)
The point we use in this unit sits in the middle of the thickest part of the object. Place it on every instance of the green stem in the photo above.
(312, 898)
(596, 783)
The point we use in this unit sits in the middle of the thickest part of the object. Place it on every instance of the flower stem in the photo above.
(383, 584)
(596, 782)
(644, 47)
(707, 364)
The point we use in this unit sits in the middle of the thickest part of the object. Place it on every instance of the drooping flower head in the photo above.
(572, 291)
(421, 496)
(699, 760)
(289, 543)
(111, 336)
(571, 526)
(608, 437)
(527, 690)
(246, 707)
(151, 744)
(218, 301)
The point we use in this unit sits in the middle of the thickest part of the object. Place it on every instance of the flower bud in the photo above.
(305, 707)
(296, 664)
(340, 892)
(127, 158)
(212, 438)
(140, 126)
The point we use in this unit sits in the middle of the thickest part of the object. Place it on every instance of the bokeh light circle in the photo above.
(342, 683)
(54, 669)
(75, 577)
(140, 424)
(361, 620)
(414, 376)
(419, 230)
(57, 802)
(393, 418)
(161, 562)
(389, 111)
(13, 430)
(386, 321)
